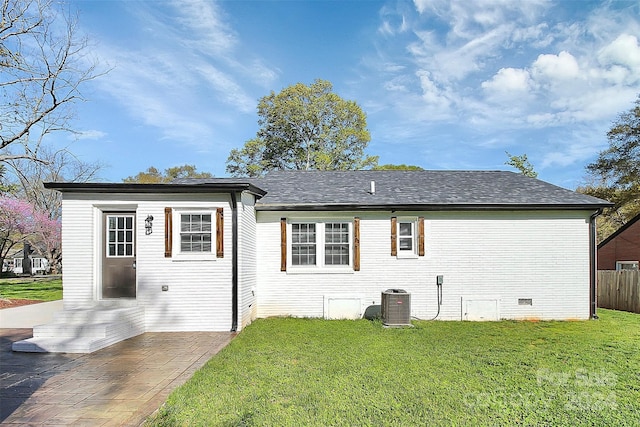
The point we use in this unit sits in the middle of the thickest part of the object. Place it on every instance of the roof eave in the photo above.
(76, 187)
(428, 207)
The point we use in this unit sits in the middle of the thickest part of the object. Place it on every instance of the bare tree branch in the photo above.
(43, 64)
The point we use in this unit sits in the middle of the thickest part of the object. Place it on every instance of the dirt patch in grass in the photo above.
(11, 303)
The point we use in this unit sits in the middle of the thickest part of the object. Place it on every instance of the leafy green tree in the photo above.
(305, 127)
(154, 176)
(401, 167)
(615, 174)
(522, 164)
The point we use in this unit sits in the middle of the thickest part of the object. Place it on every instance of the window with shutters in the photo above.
(197, 235)
(320, 245)
(407, 235)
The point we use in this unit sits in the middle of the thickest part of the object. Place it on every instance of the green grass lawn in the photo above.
(43, 289)
(311, 372)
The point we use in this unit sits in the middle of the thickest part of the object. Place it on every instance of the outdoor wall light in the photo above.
(148, 224)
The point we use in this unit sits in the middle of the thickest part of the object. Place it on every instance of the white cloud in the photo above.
(90, 134)
(621, 60)
(185, 72)
(508, 82)
(228, 90)
(203, 19)
(556, 67)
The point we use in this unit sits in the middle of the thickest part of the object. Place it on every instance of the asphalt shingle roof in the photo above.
(426, 189)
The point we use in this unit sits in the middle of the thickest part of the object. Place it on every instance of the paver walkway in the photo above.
(118, 386)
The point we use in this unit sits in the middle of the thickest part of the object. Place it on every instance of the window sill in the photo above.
(319, 270)
(193, 257)
(411, 255)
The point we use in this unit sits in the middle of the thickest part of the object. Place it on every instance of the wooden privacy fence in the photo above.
(619, 290)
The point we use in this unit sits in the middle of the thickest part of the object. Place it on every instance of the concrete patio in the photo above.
(117, 386)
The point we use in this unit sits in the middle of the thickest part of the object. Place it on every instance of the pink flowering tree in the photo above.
(20, 222)
(16, 223)
(47, 238)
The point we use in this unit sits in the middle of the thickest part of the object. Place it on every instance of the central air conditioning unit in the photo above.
(396, 307)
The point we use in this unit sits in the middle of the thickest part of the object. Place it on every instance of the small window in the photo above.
(18, 263)
(36, 263)
(406, 240)
(405, 236)
(626, 265)
(195, 233)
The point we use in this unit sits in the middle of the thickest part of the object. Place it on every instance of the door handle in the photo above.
(134, 265)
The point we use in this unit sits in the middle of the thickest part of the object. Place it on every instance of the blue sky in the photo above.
(444, 84)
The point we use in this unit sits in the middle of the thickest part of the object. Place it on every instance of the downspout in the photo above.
(593, 267)
(234, 263)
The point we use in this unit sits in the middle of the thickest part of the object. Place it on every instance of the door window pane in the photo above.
(120, 235)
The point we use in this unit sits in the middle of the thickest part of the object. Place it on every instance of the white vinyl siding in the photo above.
(199, 290)
(537, 255)
(247, 257)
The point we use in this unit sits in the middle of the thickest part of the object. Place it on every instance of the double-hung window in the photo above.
(336, 243)
(303, 244)
(407, 237)
(321, 244)
(195, 233)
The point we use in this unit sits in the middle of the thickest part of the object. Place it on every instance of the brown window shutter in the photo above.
(219, 233)
(394, 240)
(421, 236)
(283, 244)
(356, 244)
(168, 228)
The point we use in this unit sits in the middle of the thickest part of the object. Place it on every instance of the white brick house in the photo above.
(214, 254)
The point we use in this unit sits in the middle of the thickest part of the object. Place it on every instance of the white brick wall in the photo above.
(508, 255)
(199, 295)
(247, 268)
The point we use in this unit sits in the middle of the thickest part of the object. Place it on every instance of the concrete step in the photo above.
(61, 345)
(98, 314)
(85, 330)
(53, 330)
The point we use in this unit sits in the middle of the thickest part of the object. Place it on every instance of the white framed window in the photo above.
(194, 234)
(627, 265)
(36, 263)
(17, 263)
(320, 245)
(406, 237)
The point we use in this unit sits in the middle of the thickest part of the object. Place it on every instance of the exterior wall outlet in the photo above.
(165, 288)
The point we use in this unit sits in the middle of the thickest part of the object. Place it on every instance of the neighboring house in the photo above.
(621, 250)
(14, 263)
(214, 254)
